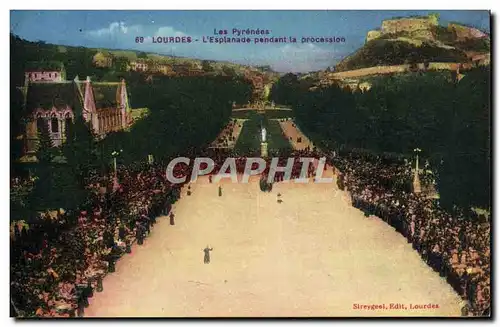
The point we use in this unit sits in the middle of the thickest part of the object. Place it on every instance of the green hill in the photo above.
(418, 40)
(80, 60)
(386, 52)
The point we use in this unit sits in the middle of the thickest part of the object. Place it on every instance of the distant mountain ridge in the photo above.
(103, 64)
(28, 51)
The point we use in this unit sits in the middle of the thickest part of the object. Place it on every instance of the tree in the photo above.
(46, 151)
(142, 55)
(16, 112)
(80, 148)
(206, 66)
(57, 184)
(229, 71)
(45, 156)
(284, 91)
(103, 59)
(449, 121)
(57, 187)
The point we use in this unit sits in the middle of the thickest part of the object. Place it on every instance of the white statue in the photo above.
(263, 134)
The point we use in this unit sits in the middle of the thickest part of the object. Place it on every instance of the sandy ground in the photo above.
(236, 130)
(312, 255)
(294, 132)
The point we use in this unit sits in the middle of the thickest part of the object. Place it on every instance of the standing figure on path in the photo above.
(147, 225)
(207, 250)
(172, 219)
(139, 234)
(220, 190)
(168, 207)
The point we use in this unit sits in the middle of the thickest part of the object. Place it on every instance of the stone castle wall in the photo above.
(443, 66)
(381, 70)
(372, 35)
(421, 27)
(408, 24)
(370, 71)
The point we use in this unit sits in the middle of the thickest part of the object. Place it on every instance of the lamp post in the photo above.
(115, 154)
(416, 178)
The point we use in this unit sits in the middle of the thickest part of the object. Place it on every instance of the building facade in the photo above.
(102, 59)
(54, 105)
(139, 66)
(44, 72)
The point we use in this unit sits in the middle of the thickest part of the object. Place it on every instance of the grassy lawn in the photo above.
(139, 113)
(270, 114)
(249, 140)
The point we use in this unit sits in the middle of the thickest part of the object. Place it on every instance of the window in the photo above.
(54, 124)
(100, 124)
(40, 124)
(68, 125)
(55, 74)
(50, 75)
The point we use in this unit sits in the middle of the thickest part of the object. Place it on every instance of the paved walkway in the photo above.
(235, 132)
(312, 255)
(292, 131)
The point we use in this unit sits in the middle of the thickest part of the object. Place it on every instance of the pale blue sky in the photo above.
(118, 29)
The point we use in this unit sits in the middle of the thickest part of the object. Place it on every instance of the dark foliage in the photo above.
(185, 112)
(382, 52)
(449, 121)
(80, 149)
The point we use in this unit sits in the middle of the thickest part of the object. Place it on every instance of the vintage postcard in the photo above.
(250, 164)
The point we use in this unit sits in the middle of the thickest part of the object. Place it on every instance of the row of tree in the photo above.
(60, 174)
(448, 120)
(185, 113)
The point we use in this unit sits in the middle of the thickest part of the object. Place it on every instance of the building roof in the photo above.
(60, 95)
(38, 66)
(49, 95)
(106, 95)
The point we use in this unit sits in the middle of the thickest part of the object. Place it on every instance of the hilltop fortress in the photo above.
(423, 28)
(411, 44)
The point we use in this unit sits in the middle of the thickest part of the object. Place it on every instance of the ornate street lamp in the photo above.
(115, 154)
(416, 178)
(417, 150)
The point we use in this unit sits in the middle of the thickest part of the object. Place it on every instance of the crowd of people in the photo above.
(60, 260)
(457, 246)
(226, 138)
(219, 158)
